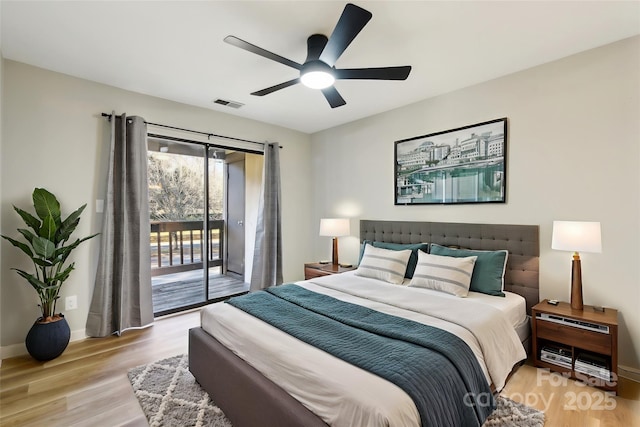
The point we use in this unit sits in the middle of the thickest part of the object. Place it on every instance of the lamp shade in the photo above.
(334, 227)
(576, 236)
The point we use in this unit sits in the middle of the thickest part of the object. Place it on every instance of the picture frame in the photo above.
(455, 166)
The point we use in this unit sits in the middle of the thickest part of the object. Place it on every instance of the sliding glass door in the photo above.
(188, 247)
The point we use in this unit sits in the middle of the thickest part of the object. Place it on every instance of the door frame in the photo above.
(207, 148)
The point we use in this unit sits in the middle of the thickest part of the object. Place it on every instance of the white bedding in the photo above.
(344, 395)
(513, 306)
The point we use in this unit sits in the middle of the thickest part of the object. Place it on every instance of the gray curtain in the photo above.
(122, 292)
(267, 256)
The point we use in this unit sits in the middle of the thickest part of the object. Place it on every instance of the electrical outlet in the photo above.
(70, 303)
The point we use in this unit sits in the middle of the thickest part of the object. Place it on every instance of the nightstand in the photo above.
(582, 344)
(314, 269)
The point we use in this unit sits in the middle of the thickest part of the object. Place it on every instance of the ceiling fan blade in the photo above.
(272, 89)
(232, 40)
(333, 97)
(381, 73)
(351, 22)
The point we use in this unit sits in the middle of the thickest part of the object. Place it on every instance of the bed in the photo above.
(247, 391)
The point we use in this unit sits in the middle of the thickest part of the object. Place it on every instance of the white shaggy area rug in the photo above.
(171, 397)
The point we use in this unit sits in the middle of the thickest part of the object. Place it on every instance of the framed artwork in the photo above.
(463, 165)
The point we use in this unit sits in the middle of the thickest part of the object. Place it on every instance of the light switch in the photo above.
(99, 206)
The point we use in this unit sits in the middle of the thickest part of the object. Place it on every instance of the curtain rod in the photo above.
(202, 143)
(208, 134)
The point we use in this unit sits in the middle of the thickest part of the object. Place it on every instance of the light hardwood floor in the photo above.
(88, 385)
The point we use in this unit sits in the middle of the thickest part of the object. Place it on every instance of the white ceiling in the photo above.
(174, 49)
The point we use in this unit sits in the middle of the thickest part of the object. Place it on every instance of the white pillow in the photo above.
(443, 273)
(384, 264)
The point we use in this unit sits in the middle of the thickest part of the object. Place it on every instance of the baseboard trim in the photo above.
(12, 350)
(629, 373)
(78, 335)
(15, 350)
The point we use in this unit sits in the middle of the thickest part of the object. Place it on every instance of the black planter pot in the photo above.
(46, 341)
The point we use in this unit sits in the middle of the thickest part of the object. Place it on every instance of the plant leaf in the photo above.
(64, 234)
(62, 276)
(88, 237)
(46, 204)
(65, 251)
(28, 235)
(43, 247)
(69, 225)
(49, 228)
(61, 253)
(26, 249)
(29, 219)
(36, 283)
(44, 262)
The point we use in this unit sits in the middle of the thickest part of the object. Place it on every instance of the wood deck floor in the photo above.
(173, 291)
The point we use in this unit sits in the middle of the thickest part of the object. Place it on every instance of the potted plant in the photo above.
(48, 248)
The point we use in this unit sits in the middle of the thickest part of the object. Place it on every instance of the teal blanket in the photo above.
(434, 367)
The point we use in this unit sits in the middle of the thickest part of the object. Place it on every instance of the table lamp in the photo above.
(576, 236)
(334, 227)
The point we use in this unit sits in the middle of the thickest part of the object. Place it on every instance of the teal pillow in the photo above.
(488, 273)
(413, 259)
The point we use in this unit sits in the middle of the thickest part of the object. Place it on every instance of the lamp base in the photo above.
(576, 283)
(334, 258)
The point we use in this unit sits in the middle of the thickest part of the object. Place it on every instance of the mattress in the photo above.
(524, 329)
(339, 393)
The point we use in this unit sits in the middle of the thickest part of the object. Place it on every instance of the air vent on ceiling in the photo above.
(232, 104)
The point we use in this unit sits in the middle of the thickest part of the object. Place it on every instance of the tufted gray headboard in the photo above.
(522, 242)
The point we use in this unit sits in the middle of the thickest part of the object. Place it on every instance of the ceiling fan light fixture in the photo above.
(317, 79)
(317, 75)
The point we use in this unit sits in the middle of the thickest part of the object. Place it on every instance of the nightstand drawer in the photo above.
(577, 337)
(310, 273)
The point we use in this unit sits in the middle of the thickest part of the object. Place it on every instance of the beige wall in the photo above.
(573, 154)
(54, 137)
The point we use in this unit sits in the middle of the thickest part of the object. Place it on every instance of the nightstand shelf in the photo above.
(580, 343)
(315, 269)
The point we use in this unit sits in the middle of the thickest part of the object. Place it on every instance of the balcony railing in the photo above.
(176, 246)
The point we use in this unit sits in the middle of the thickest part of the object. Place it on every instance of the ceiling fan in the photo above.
(318, 70)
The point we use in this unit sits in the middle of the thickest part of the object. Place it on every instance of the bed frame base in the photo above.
(246, 397)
